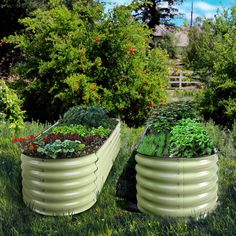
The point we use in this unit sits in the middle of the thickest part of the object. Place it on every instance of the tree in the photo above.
(198, 21)
(211, 53)
(13, 10)
(157, 12)
(83, 56)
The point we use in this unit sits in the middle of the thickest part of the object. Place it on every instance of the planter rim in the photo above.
(177, 158)
(41, 159)
(71, 158)
(168, 157)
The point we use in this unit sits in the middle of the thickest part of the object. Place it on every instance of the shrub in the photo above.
(10, 110)
(166, 42)
(190, 139)
(82, 56)
(92, 116)
(212, 55)
(166, 116)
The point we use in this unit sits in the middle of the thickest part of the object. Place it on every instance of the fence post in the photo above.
(180, 79)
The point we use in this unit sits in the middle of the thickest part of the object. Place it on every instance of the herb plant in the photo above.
(190, 139)
(154, 145)
(82, 130)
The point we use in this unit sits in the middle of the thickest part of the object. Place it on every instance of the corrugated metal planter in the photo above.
(68, 186)
(176, 187)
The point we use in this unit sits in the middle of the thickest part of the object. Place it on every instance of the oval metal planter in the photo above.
(176, 187)
(68, 186)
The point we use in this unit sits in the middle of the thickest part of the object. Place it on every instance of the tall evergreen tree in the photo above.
(157, 12)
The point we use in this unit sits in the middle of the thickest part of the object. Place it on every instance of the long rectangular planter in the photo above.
(176, 187)
(68, 186)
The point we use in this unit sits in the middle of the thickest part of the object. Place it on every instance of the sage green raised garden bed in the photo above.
(176, 187)
(68, 186)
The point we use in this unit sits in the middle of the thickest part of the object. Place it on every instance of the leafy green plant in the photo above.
(190, 139)
(73, 129)
(154, 145)
(81, 130)
(148, 145)
(58, 147)
(163, 118)
(10, 109)
(100, 131)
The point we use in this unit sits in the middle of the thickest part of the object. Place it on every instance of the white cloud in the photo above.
(164, 4)
(210, 14)
(203, 6)
(200, 8)
(188, 16)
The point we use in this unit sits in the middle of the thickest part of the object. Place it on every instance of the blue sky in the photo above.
(204, 8)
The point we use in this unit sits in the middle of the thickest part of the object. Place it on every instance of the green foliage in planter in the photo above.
(83, 56)
(81, 130)
(61, 147)
(93, 116)
(211, 53)
(154, 145)
(190, 139)
(166, 116)
(10, 110)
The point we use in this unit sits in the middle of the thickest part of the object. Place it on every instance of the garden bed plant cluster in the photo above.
(81, 132)
(174, 130)
(65, 167)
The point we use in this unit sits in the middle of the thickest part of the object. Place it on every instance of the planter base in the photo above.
(176, 187)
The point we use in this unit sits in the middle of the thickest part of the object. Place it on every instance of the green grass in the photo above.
(115, 212)
(182, 95)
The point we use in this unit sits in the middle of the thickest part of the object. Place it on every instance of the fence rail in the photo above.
(184, 82)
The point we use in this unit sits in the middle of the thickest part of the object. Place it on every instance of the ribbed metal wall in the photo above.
(106, 156)
(176, 187)
(67, 186)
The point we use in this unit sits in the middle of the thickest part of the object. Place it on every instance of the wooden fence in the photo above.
(184, 80)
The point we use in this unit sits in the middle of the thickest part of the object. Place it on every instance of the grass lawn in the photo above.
(115, 212)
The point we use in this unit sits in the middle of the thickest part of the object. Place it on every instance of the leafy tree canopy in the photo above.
(157, 12)
(211, 53)
(83, 56)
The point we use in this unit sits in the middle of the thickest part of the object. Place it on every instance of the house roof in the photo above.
(181, 39)
(180, 35)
